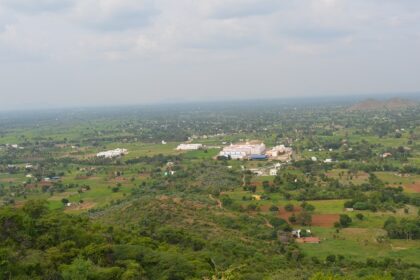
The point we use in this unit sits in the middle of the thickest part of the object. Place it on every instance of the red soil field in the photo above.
(325, 220)
(30, 186)
(265, 208)
(318, 220)
(414, 187)
(285, 214)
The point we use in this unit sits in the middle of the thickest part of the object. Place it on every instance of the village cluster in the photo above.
(252, 150)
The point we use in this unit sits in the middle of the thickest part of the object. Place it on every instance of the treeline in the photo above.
(403, 229)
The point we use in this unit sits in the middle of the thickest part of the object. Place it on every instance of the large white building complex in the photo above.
(242, 151)
(189, 147)
(112, 153)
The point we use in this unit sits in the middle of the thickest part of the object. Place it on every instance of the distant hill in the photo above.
(390, 104)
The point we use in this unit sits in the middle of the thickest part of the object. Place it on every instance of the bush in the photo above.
(330, 259)
(304, 218)
(292, 219)
(345, 220)
(227, 201)
(360, 216)
(289, 207)
(252, 207)
(279, 223)
(308, 207)
(361, 206)
(349, 204)
(64, 200)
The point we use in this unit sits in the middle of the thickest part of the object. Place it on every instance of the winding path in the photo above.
(219, 203)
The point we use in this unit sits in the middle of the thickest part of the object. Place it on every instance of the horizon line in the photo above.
(307, 99)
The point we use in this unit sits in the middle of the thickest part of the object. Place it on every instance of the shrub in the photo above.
(361, 206)
(330, 259)
(360, 216)
(292, 219)
(345, 220)
(289, 207)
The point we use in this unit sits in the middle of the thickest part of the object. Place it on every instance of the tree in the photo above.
(289, 207)
(330, 259)
(79, 269)
(65, 201)
(348, 204)
(345, 220)
(278, 222)
(35, 208)
(361, 206)
(266, 185)
(308, 207)
(7, 261)
(304, 218)
(292, 219)
(227, 201)
(360, 216)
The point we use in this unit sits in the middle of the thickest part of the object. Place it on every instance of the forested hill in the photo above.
(156, 238)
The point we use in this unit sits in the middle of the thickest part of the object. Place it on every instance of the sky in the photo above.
(61, 53)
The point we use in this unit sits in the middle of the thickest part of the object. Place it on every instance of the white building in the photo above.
(189, 147)
(278, 150)
(112, 153)
(273, 172)
(385, 155)
(241, 151)
(169, 173)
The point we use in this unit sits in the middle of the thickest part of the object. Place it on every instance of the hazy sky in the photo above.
(84, 52)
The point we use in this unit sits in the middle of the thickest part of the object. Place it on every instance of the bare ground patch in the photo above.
(81, 206)
(7, 180)
(286, 214)
(414, 187)
(319, 220)
(324, 220)
(59, 196)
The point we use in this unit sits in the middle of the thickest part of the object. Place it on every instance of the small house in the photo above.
(385, 155)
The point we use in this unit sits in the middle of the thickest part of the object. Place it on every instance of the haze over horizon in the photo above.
(61, 53)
